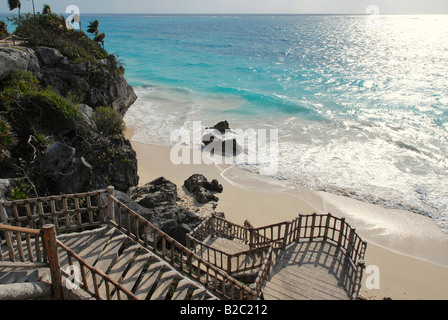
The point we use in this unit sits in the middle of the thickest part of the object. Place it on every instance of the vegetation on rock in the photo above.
(46, 119)
(50, 30)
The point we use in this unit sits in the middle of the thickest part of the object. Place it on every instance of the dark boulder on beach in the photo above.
(202, 189)
(222, 126)
(216, 142)
(156, 193)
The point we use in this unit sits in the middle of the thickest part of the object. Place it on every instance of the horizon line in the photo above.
(242, 14)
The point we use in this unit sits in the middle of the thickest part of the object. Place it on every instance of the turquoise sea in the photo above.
(360, 103)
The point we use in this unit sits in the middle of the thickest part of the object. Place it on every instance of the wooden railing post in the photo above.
(299, 227)
(351, 242)
(313, 225)
(3, 216)
(341, 232)
(327, 226)
(110, 204)
(251, 237)
(285, 239)
(229, 264)
(51, 251)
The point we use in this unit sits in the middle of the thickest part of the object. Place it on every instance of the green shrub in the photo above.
(32, 110)
(108, 121)
(22, 81)
(49, 30)
(7, 139)
(58, 112)
(20, 189)
(3, 30)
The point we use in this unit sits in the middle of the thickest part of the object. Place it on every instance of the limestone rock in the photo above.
(156, 193)
(49, 56)
(17, 59)
(160, 197)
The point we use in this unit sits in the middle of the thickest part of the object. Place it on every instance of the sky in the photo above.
(241, 6)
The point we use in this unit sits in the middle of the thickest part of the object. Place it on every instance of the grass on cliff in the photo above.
(33, 111)
(33, 117)
(50, 30)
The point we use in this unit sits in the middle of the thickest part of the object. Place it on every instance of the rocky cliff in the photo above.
(41, 91)
(93, 84)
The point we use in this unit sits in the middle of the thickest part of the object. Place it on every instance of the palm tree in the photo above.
(93, 27)
(46, 9)
(100, 38)
(15, 4)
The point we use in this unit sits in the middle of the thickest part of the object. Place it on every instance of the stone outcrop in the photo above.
(22, 59)
(159, 198)
(4, 187)
(93, 84)
(202, 189)
(66, 169)
(79, 165)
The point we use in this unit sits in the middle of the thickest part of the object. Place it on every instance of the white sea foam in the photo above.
(358, 159)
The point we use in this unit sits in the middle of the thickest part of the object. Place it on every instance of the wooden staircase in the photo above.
(230, 247)
(121, 255)
(131, 265)
(16, 276)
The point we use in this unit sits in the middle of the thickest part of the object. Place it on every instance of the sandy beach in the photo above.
(409, 250)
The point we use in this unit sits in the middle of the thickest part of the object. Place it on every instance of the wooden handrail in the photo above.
(315, 227)
(246, 254)
(264, 272)
(50, 247)
(94, 272)
(180, 257)
(4, 227)
(68, 212)
(14, 244)
(78, 211)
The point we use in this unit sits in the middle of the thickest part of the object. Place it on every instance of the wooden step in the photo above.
(118, 270)
(135, 271)
(164, 285)
(105, 259)
(134, 267)
(182, 289)
(148, 283)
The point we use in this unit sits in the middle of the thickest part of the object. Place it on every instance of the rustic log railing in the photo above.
(247, 260)
(93, 277)
(230, 262)
(264, 272)
(40, 254)
(178, 256)
(77, 212)
(12, 38)
(324, 227)
(70, 212)
(23, 246)
(208, 266)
